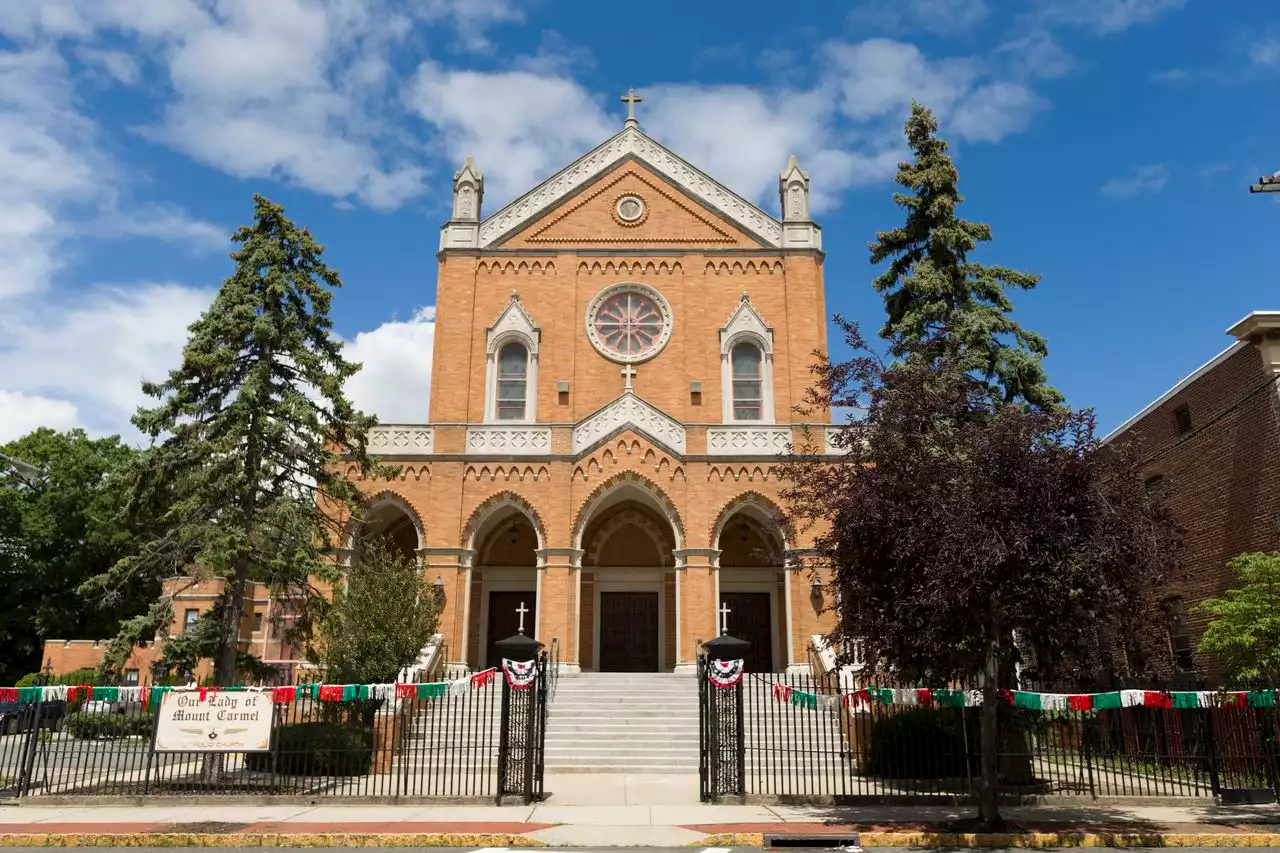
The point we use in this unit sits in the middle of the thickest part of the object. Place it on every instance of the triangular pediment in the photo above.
(663, 217)
(631, 143)
(629, 412)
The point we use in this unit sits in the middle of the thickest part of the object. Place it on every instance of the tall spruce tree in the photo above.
(241, 480)
(931, 286)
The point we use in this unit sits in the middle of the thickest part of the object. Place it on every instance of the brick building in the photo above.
(1212, 444)
(617, 356)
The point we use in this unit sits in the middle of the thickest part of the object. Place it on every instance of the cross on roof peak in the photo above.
(631, 99)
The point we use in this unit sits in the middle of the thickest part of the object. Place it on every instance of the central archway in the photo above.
(628, 532)
(504, 534)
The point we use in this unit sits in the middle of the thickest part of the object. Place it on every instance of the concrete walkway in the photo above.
(612, 811)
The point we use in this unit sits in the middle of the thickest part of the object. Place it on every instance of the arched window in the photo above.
(748, 382)
(513, 382)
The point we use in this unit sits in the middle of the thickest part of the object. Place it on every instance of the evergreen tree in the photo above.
(931, 286)
(242, 478)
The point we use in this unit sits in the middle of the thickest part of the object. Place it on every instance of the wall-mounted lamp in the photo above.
(815, 590)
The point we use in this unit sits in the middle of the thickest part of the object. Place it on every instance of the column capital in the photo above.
(570, 556)
(446, 557)
(686, 557)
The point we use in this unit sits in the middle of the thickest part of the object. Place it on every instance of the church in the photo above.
(618, 353)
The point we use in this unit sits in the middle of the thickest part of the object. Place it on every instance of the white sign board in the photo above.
(231, 721)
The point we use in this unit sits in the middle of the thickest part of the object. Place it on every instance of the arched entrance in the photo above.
(753, 597)
(628, 583)
(389, 519)
(504, 580)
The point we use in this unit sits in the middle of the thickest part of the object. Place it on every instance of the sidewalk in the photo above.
(620, 811)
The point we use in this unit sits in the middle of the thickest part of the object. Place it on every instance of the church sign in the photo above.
(207, 720)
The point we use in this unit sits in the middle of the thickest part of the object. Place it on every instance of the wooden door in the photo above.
(628, 632)
(504, 620)
(751, 619)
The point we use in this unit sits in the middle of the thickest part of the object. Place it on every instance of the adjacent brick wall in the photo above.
(1222, 479)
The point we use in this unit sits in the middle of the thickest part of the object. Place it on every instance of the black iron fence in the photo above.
(442, 740)
(801, 738)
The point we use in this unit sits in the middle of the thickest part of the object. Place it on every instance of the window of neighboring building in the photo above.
(748, 382)
(257, 621)
(189, 618)
(1155, 486)
(130, 676)
(513, 375)
(1180, 636)
(1182, 419)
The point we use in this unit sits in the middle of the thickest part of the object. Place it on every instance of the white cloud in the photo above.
(1265, 51)
(395, 379)
(1106, 17)
(519, 125)
(122, 67)
(92, 354)
(898, 17)
(1143, 180)
(23, 413)
(163, 222)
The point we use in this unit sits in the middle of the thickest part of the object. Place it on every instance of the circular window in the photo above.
(630, 209)
(629, 322)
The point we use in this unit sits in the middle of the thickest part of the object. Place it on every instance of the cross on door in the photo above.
(724, 618)
(521, 611)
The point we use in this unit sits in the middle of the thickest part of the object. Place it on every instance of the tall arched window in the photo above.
(513, 382)
(748, 382)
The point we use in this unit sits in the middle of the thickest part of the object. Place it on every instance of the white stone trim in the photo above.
(513, 324)
(748, 440)
(401, 440)
(631, 142)
(496, 439)
(630, 410)
(745, 325)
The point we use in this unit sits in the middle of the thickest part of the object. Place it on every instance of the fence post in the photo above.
(520, 730)
(1211, 749)
(726, 734)
(31, 746)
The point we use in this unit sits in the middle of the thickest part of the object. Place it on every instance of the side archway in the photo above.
(388, 515)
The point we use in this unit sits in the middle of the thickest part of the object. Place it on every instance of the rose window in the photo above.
(629, 323)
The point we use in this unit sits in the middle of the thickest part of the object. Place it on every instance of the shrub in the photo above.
(85, 675)
(318, 749)
(922, 743)
(86, 726)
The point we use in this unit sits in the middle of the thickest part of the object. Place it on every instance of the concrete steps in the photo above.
(623, 723)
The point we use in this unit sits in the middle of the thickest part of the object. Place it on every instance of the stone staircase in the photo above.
(623, 723)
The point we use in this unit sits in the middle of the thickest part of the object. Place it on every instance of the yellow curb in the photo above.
(1024, 839)
(273, 839)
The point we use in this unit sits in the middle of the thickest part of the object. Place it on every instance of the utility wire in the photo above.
(1214, 420)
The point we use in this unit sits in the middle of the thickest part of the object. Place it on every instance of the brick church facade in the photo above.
(617, 356)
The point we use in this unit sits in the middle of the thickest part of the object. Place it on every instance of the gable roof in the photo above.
(631, 142)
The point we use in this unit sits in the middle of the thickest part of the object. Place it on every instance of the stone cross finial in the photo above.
(631, 99)
(515, 296)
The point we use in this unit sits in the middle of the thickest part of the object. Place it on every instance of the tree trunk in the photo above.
(988, 805)
(224, 668)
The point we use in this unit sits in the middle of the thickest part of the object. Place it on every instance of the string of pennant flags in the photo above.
(1027, 700)
(725, 674)
(520, 675)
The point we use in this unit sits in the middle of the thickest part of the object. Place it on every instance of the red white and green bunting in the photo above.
(279, 695)
(929, 697)
(520, 674)
(726, 673)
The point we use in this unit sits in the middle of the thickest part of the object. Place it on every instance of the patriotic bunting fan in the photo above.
(520, 675)
(726, 673)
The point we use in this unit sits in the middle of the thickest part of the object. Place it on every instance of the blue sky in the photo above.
(1109, 143)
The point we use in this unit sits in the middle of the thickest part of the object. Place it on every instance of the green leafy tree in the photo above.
(932, 289)
(1244, 626)
(382, 616)
(242, 478)
(58, 529)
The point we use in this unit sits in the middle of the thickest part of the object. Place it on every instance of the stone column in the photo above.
(452, 566)
(697, 599)
(560, 571)
(804, 618)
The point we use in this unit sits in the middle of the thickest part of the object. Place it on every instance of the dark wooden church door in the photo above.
(751, 619)
(628, 632)
(504, 620)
